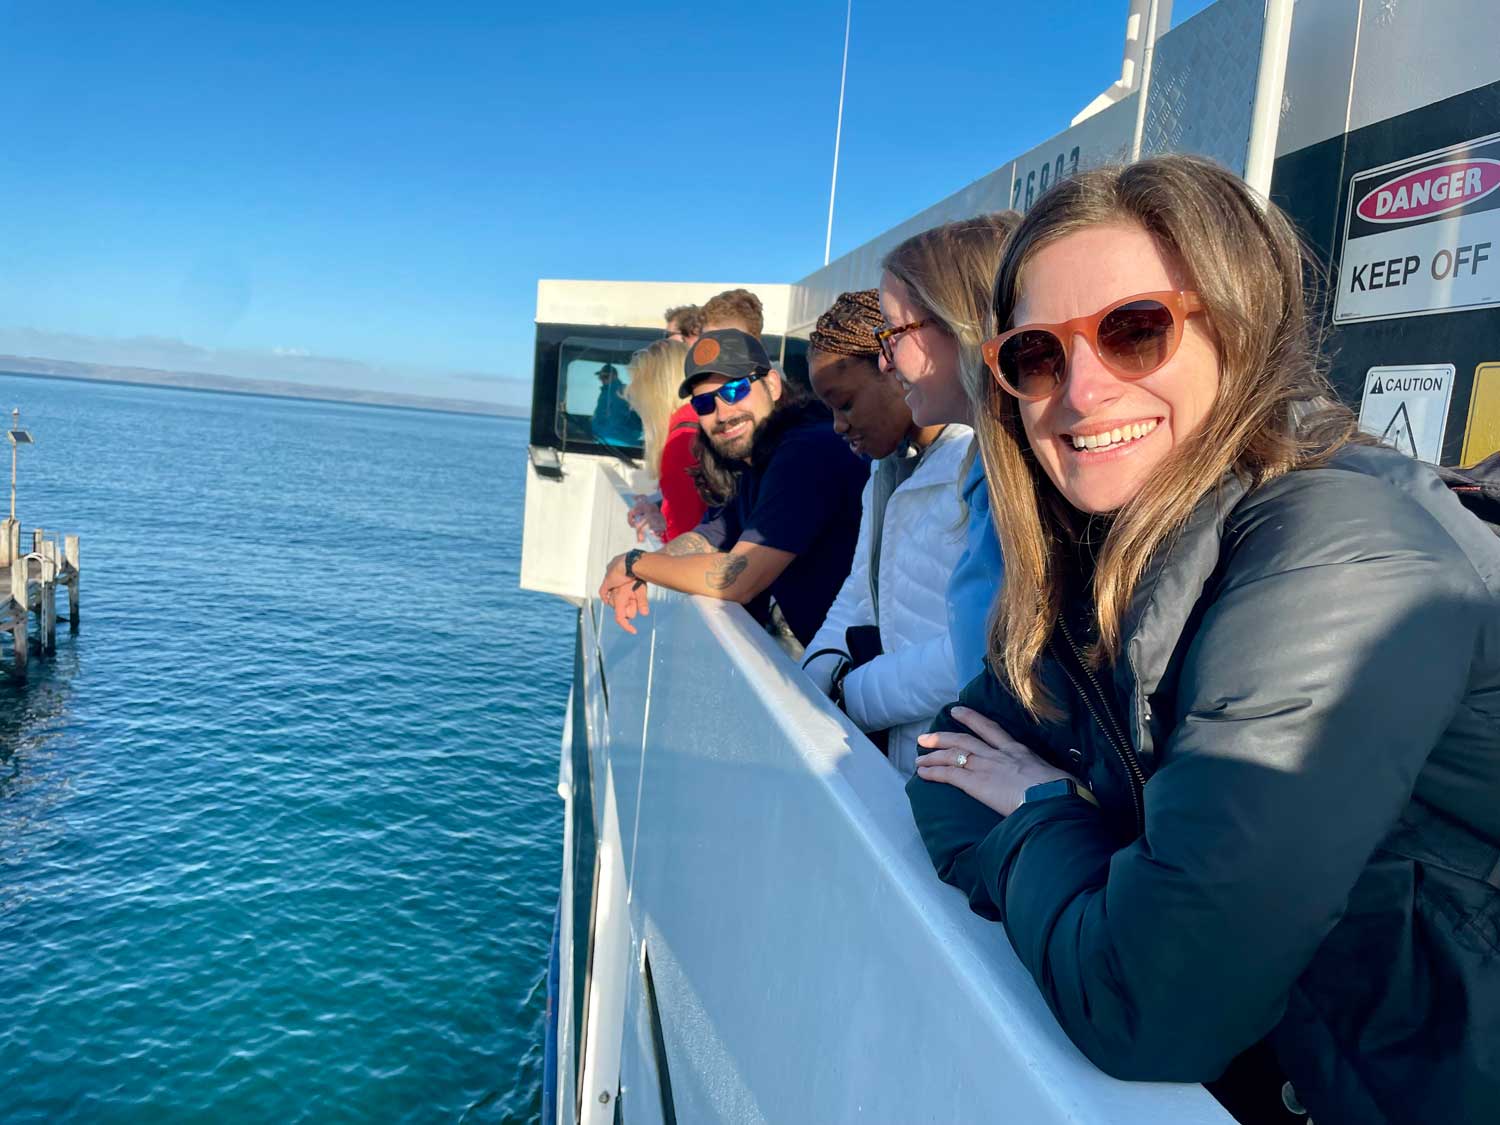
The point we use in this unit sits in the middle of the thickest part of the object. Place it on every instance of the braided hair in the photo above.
(849, 325)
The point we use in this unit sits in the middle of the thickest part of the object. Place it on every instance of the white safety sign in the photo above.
(1423, 235)
(1407, 408)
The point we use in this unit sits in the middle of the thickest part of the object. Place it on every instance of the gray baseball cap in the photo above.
(724, 351)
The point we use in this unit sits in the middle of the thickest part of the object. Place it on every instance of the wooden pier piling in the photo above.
(70, 578)
(47, 609)
(19, 615)
(29, 582)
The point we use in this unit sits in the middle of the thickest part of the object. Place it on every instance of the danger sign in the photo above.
(1407, 408)
(1423, 235)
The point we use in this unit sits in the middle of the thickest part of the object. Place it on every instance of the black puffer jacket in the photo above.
(1298, 760)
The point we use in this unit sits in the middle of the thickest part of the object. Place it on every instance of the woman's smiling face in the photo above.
(926, 359)
(1141, 420)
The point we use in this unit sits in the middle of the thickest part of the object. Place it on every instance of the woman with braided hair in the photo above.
(884, 653)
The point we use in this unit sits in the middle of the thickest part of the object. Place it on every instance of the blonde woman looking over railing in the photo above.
(935, 299)
(670, 426)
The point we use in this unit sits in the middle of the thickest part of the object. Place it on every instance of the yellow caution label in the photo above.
(1482, 433)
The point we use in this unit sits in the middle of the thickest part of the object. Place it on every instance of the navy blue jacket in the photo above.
(1298, 763)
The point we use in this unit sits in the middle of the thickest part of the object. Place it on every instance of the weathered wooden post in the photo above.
(10, 532)
(41, 589)
(70, 555)
(14, 538)
(47, 608)
(21, 616)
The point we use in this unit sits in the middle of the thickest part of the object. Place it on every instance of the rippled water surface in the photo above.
(279, 835)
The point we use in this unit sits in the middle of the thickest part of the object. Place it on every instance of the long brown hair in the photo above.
(655, 374)
(1246, 262)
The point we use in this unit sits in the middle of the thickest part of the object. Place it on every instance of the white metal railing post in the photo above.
(838, 131)
(1270, 84)
(604, 1025)
(1143, 87)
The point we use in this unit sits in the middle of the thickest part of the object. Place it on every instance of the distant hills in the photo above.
(235, 385)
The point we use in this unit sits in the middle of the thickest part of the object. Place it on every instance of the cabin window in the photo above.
(577, 395)
(593, 373)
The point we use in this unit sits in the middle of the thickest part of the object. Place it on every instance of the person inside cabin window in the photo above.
(1232, 781)
(935, 301)
(684, 323)
(655, 373)
(614, 422)
(735, 308)
(788, 530)
(884, 653)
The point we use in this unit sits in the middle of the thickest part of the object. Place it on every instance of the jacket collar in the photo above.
(1166, 596)
(939, 462)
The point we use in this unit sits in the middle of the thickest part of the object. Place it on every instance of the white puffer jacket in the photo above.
(922, 538)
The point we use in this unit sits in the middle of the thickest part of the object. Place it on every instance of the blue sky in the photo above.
(366, 193)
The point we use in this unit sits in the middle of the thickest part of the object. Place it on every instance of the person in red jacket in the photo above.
(655, 372)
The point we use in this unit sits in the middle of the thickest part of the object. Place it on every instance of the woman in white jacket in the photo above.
(911, 535)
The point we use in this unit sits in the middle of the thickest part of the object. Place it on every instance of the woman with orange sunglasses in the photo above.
(1232, 784)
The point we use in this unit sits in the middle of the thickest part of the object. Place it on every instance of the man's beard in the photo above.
(737, 447)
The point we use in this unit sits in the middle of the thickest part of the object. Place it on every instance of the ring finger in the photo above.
(971, 744)
(961, 757)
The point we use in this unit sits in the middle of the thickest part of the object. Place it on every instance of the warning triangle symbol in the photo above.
(1377, 389)
(1398, 433)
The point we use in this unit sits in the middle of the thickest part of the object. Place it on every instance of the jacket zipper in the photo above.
(1111, 729)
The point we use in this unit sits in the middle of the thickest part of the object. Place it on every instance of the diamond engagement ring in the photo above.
(962, 759)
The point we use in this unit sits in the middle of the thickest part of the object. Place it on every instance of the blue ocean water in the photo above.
(279, 832)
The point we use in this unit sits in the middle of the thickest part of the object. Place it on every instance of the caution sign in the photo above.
(1482, 433)
(1422, 235)
(1407, 408)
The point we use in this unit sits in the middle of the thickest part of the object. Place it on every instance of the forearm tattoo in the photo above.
(689, 543)
(726, 572)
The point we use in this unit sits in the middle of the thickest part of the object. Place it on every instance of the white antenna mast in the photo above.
(838, 132)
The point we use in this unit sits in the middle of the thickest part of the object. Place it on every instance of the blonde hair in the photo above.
(1246, 262)
(949, 272)
(655, 375)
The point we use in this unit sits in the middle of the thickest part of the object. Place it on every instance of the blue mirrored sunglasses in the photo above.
(731, 392)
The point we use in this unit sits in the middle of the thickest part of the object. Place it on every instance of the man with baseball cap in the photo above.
(789, 529)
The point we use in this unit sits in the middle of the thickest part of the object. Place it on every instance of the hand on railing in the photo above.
(626, 595)
(645, 515)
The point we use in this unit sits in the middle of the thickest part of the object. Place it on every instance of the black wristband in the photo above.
(1062, 787)
(836, 688)
(631, 558)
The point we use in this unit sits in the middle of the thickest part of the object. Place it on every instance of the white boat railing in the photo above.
(770, 941)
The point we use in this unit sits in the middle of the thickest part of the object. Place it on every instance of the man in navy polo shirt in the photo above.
(790, 528)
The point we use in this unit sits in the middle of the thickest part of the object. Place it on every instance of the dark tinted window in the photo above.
(580, 373)
(592, 373)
